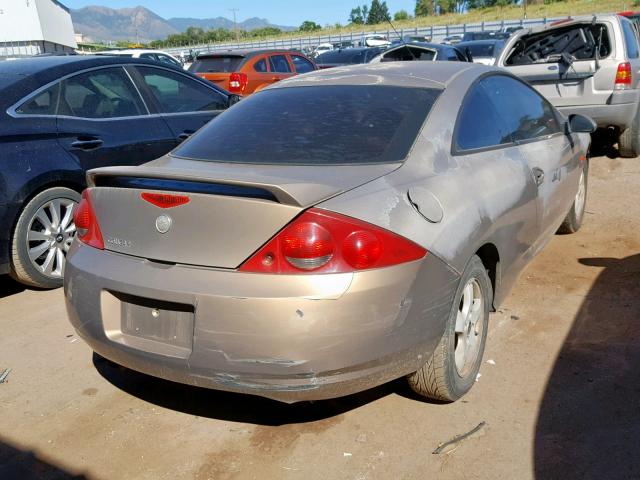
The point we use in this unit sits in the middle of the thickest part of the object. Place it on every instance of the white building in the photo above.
(29, 27)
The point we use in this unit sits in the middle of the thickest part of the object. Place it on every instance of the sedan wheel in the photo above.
(42, 238)
(469, 328)
(452, 369)
(573, 220)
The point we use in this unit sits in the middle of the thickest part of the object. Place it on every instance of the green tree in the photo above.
(378, 12)
(265, 32)
(309, 26)
(424, 8)
(358, 15)
(401, 15)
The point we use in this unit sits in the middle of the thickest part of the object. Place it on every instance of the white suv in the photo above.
(587, 65)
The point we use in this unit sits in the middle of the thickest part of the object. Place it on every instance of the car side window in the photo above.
(177, 93)
(44, 103)
(149, 56)
(302, 64)
(168, 60)
(526, 114)
(279, 64)
(261, 66)
(103, 93)
(630, 39)
(479, 125)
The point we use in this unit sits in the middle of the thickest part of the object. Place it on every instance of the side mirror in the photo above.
(233, 99)
(581, 124)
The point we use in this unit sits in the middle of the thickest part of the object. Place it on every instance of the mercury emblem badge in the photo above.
(163, 223)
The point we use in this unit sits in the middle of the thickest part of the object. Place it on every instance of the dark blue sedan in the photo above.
(60, 116)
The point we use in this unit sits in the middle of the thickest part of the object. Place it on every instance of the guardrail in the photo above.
(436, 32)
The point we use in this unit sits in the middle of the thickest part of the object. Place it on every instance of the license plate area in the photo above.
(155, 326)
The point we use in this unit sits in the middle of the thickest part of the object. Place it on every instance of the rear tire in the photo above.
(42, 237)
(573, 220)
(628, 142)
(452, 369)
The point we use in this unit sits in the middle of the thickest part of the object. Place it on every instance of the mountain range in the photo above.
(103, 24)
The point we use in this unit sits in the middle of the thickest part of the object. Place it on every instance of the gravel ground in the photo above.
(559, 391)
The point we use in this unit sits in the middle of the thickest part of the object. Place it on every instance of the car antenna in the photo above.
(388, 19)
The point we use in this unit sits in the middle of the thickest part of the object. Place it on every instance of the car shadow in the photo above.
(8, 286)
(604, 144)
(26, 465)
(237, 407)
(589, 420)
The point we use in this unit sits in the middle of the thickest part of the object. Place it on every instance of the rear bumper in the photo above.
(289, 338)
(619, 111)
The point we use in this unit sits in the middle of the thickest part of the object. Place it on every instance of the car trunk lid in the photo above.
(230, 210)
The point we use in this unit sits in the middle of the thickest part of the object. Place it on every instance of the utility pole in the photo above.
(235, 24)
(524, 4)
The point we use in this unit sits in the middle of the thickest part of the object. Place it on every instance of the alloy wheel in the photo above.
(469, 328)
(49, 236)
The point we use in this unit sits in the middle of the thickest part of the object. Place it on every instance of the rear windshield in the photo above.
(407, 53)
(323, 125)
(348, 55)
(480, 50)
(574, 42)
(216, 64)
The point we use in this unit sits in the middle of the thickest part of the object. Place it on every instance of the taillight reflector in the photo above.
(319, 241)
(164, 200)
(86, 222)
(623, 75)
(238, 82)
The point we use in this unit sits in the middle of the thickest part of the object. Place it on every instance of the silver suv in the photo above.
(586, 65)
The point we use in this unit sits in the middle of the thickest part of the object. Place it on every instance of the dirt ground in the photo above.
(559, 392)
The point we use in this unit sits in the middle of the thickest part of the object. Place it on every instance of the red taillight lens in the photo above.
(87, 228)
(623, 75)
(307, 245)
(362, 249)
(164, 200)
(238, 82)
(319, 241)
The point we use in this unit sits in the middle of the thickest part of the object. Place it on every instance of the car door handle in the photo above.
(186, 134)
(538, 174)
(88, 144)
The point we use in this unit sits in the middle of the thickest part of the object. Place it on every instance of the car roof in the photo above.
(481, 42)
(564, 23)
(403, 74)
(133, 51)
(65, 64)
(241, 53)
(32, 73)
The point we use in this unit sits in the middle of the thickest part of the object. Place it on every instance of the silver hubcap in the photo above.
(50, 234)
(580, 196)
(469, 327)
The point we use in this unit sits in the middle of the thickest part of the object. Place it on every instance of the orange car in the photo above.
(244, 72)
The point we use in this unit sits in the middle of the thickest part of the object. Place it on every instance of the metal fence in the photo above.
(436, 32)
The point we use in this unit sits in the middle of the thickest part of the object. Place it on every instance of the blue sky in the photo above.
(280, 12)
